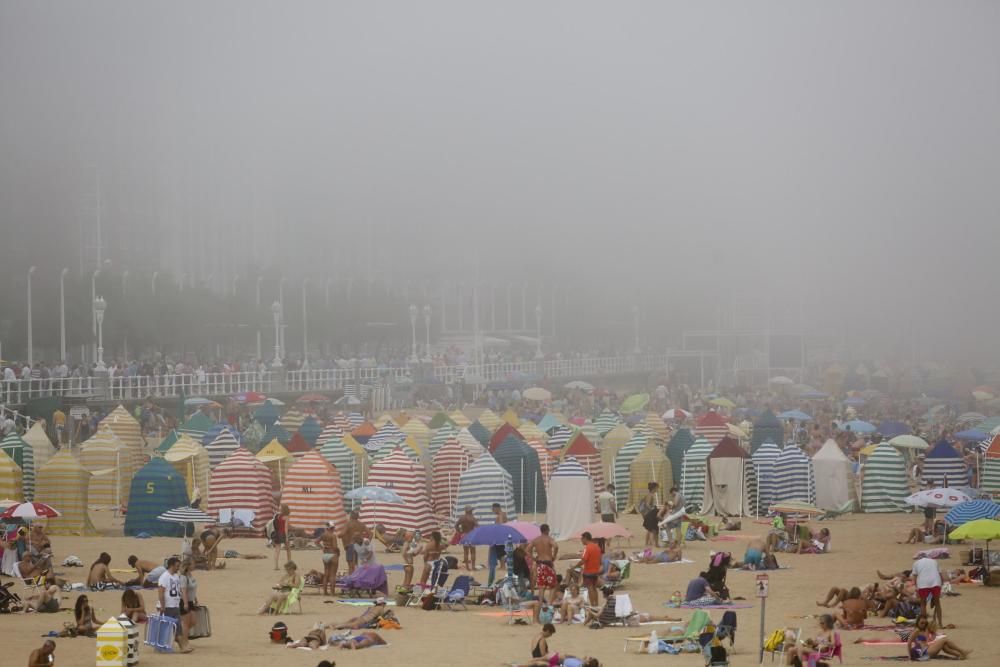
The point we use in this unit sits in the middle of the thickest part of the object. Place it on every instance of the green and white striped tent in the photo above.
(344, 460)
(441, 436)
(676, 448)
(884, 488)
(693, 473)
(605, 422)
(989, 475)
(623, 462)
(24, 456)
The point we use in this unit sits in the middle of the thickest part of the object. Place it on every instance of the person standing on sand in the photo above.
(607, 506)
(282, 534)
(171, 597)
(499, 514)
(544, 551)
(928, 580)
(352, 531)
(590, 566)
(331, 557)
(465, 525)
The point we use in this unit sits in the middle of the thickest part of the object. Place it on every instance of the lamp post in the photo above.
(257, 302)
(31, 347)
(305, 327)
(276, 311)
(99, 307)
(62, 315)
(93, 313)
(152, 282)
(281, 300)
(524, 306)
(427, 330)
(413, 334)
(538, 330)
(635, 326)
(510, 324)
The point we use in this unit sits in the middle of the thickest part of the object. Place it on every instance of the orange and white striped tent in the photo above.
(448, 464)
(313, 492)
(241, 482)
(407, 479)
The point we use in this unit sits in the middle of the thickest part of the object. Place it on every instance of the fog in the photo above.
(835, 163)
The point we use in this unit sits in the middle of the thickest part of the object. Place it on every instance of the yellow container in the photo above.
(112, 644)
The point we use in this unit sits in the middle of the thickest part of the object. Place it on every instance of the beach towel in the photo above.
(362, 602)
(902, 658)
(691, 605)
(936, 553)
(677, 562)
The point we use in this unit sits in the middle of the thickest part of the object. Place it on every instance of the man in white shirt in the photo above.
(607, 506)
(928, 581)
(173, 599)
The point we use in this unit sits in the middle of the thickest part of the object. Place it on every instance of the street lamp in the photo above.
(427, 328)
(124, 279)
(31, 347)
(635, 325)
(413, 334)
(276, 311)
(152, 282)
(259, 357)
(305, 327)
(281, 300)
(538, 330)
(62, 315)
(99, 307)
(93, 313)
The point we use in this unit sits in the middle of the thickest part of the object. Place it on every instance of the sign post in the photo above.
(761, 587)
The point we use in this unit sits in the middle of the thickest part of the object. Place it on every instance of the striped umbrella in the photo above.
(970, 418)
(186, 514)
(29, 511)
(972, 510)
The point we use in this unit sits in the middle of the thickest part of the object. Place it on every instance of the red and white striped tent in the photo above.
(546, 461)
(448, 464)
(399, 473)
(712, 426)
(313, 492)
(241, 482)
(583, 450)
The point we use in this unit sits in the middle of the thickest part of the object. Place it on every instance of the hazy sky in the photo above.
(847, 152)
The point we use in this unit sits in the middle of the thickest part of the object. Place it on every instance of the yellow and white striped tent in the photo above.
(40, 444)
(128, 430)
(530, 431)
(190, 459)
(414, 428)
(461, 421)
(278, 460)
(63, 484)
(489, 419)
(10, 478)
(109, 460)
(511, 418)
(292, 420)
(614, 440)
(658, 428)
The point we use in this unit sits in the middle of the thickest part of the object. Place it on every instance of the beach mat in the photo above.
(732, 537)
(708, 606)
(498, 614)
(901, 658)
(682, 561)
(362, 602)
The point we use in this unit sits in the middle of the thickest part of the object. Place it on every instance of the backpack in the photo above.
(774, 640)
(770, 562)
(279, 633)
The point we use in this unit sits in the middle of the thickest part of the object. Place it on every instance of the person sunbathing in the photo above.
(282, 589)
(46, 602)
(672, 553)
(573, 603)
(853, 611)
(100, 576)
(362, 640)
(924, 643)
(314, 639)
(392, 543)
(366, 620)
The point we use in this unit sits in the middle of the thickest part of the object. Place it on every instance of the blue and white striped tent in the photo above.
(485, 482)
(884, 486)
(441, 436)
(213, 433)
(480, 433)
(693, 473)
(559, 438)
(356, 419)
(794, 478)
(571, 499)
(676, 448)
(344, 460)
(762, 492)
(222, 445)
(943, 466)
(521, 461)
(623, 469)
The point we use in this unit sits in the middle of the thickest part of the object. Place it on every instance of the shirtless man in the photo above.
(501, 516)
(465, 525)
(853, 611)
(331, 557)
(28, 568)
(142, 569)
(413, 548)
(544, 551)
(352, 531)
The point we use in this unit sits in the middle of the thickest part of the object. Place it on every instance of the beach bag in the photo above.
(271, 527)
(546, 614)
(428, 602)
(279, 633)
(774, 640)
(201, 623)
(770, 562)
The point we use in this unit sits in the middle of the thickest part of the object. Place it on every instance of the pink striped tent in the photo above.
(313, 492)
(586, 455)
(242, 482)
(712, 426)
(448, 464)
(546, 462)
(407, 479)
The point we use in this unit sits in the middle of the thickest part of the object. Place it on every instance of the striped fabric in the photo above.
(40, 443)
(612, 442)
(421, 435)
(398, 472)
(127, 429)
(190, 459)
(212, 433)
(606, 421)
(241, 482)
(503, 432)
(356, 419)
(331, 430)
(489, 419)
(884, 486)
(156, 488)
(461, 421)
(656, 425)
(11, 480)
(530, 431)
(278, 460)
(64, 484)
(793, 476)
(586, 456)
(224, 444)
(471, 444)
(762, 493)
(341, 421)
(484, 483)
(450, 461)
(511, 418)
(110, 462)
(590, 431)
(943, 466)
(989, 476)
(521, 461)
(292, 420)
(24, 456)
(712, 427)
(480, 433)
(559, 438)
(676, 448)
(442, 435)
(693, 473)
(313, 493)
(344, 460)
(623, 471)
(546, 461)
(649, 466)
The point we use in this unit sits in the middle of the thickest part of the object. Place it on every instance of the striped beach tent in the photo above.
(559, 438)
(109, 461)
(310, 430)
(241, 482)
(471, 444)
(292, 420)
(884, 486)
(419, 432)
(386, 418)
(344, 460)
(212, 433)
(438, 420)
(762, 493)
(943, 466)
(612, 442)
(24, 456)
(650, 465)
(278, 461)
(546, 462)
(587, 456)
(521, 461)
(197, 425)
(127, 429)
(331, 430)
(356, 419)
(156, 488)
(794, 478)
(606, 421)
(190, 459)
(503, 431)
(167, 442)
(766, 428)
(398, 472)
(485, 482)
(548, 422)
(489, 419)
(297, 445)
(480, 433)
(590, 431)
(313, 493)
(712, 426)
(64, 484)
(341, 421)
(657, 427)
(40, 444)
(450, 461)
(224, 444)
(623, 470)
(267, 413)
(989, 474)
(442, 435)
(693, 473)
(511, 418)
(571, 499)
(11, 481)
(363, 432)
(676, 448)
(459, 419)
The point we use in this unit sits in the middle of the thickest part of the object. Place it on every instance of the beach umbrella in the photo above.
(7, 502)
(859, 426)
(29, 511)
(970, 418)
(493, 534)
(312, 398)
(602, 529)
(634, 403)
(185, 515)
(537, 394)
(795, 415)
(937, 498)
(579, 385)
(675, 413)
(723, 402)
(375, 493)
(249, 397)
(198, 401)
(795, 507)
(972, 510)
(979, 529)
(891, 429)
(854, 402)
(529, 530)
(909, 442)
(972, 435)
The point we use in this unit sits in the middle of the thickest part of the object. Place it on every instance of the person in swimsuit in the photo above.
(573, 603)
(314, 639)
(331, 557)
(432, 551)
(83, 614)
(362, 640)
(352, 531)
(924, 643)
(142, 570)
(133, 606)
(650, 514)
(210, 539)
(540, 645)
(46, 602)
(100, 573)
(544, 551)
(367, 619)
(280, 537)
(465, 525)
(671, 554)
(413, 548)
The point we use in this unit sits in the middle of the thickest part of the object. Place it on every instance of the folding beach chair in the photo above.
(294, 598)
(696, 625)
(455, 598)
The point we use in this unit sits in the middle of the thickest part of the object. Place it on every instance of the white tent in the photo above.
(726, 489)
(571, 494)
(833, 476)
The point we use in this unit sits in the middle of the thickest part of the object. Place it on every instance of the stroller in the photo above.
(10, 601)
(365, 581)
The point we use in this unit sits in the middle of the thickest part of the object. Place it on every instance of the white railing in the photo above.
(18, 392)
(191, 384)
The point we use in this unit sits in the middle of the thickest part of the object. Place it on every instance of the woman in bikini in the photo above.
(83, 614)
(133, 606)
(413, 548)
(362, 640)
(924, 643)
(100, 574)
